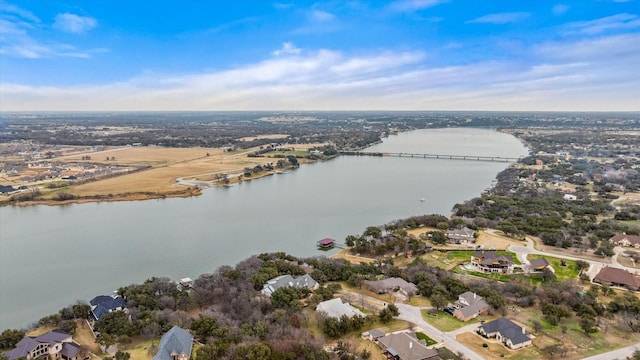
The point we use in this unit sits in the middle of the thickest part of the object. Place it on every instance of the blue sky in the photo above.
(320, 55)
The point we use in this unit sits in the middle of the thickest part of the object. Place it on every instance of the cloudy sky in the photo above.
(320, 55)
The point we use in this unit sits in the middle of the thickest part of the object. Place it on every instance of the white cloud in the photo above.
(559, 9)
(16, 28)
(322, 16)
(615, 22)
(288, 48)
(413, 5)
(73, 23)
(281, 6)
(500, 18)
(593, 74)
(22, 13)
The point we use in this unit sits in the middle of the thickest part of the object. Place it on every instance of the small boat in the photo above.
(423, 200)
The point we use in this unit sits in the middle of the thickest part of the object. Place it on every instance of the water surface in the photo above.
(51, 256)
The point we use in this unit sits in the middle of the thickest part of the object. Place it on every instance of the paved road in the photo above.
(616, 354)
(413, 315)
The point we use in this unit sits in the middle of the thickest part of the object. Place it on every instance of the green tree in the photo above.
(438, 237)
(393, 309)
(117, 324)
(210, 352)
(122, 355)
(204, 327)
(10, 337)
(588, 325)
(438, 301)
(373, 231)
(81, 310)
(255, 351)
(286, 297)
(293, 161)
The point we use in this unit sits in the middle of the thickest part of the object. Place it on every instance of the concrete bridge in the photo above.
(434, 156)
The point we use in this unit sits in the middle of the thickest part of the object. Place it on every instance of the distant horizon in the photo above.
(327, 111)
(388, 55)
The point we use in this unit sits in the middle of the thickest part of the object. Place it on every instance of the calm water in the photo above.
(51, 256)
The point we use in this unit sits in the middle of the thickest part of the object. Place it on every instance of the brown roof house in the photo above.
(626, 240)
(392, 285)
(52, 345)
(490, 262)
(506, 331)
(617, 277)
(538, 265)
(406, 346)
(469, 306)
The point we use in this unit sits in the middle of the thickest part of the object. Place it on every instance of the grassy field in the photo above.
(143, 350)
(569, 271)
(162, 167)
(443, 321)
(422, 336)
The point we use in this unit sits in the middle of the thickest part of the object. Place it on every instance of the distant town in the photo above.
(541, 265)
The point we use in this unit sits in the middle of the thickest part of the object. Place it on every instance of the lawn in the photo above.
(443, 321)
(422, 336)
(570, 271)
(287, 153)
(143, 350)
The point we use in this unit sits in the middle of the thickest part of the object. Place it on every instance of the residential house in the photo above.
(506, 331)
(287, 281)
(469, 306)
(490, 262)
(393, 284)
(538, 265)
(617, 277)
(373, 334)
(52, 345)
(461, 236)
(406, 346)
(336, 308)
(626, 240)
(176, 344)
(103, 304)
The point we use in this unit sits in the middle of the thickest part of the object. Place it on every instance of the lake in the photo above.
(51, 256)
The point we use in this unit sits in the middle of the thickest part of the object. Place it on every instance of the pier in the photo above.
(433, 156)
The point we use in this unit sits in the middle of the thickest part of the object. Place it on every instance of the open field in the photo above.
(161, 169)
(495, 350)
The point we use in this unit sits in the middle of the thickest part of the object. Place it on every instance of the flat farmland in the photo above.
(164, 168)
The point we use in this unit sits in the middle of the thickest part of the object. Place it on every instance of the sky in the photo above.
(511, 55)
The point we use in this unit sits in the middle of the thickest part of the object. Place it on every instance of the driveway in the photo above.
(412, 314)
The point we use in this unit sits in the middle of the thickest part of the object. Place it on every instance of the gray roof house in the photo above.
(373, 334)
(461, 235)
(470, 305)
(506, 331)
(176, 344)
(406, 346)
(336, 308)
(103, 304)
(393, 284)
(287, 280)
(51, 345)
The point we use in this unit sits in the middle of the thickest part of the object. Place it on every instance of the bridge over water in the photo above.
(433, 156)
